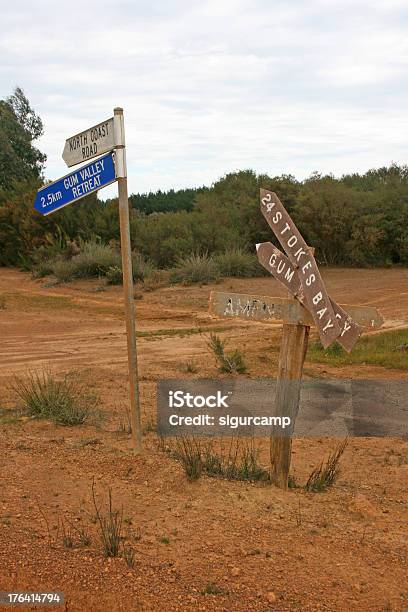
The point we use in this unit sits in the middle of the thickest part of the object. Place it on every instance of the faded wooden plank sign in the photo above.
(255, 308)
(316, 297)
(273, 260)
(265, 308)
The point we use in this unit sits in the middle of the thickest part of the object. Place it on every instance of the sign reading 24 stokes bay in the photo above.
(281, 268)
(90, 143)
(316, 297)
(76, 185)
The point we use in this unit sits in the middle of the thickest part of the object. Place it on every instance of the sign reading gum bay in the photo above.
(76, 185)
(316, 297)
(90, 143)
(281, 268)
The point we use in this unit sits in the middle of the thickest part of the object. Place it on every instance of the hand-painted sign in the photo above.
(76, 185)
(316, 297)
(265, 308)
(90, 143)
(273, 260)
(253, 308)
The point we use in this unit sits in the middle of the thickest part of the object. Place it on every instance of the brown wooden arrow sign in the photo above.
(273, 260)
(314, 291)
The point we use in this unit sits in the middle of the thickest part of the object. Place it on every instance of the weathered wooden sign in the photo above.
(311, 304)
(314, 291)
(281, 268)
(90, 143)
(264, 308)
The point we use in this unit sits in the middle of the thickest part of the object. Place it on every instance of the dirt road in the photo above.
(259, 548)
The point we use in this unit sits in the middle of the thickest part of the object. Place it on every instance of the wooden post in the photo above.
(288, 382)
(291, 358)
(127, 278)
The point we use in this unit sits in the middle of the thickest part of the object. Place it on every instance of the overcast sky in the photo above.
(215, 86)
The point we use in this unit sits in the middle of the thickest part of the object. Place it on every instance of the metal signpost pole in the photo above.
(120, 160)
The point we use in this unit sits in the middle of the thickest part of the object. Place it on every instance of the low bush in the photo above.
(238, 263)
(195, 269)
(66, 401)
(94, 260)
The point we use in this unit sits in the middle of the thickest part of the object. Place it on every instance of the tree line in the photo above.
(355, 220)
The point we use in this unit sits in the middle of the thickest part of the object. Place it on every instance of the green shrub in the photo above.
(195, 269)
(66, 401)
(64, 270)
(156, 279)
(239, 263)
(114, 275)
(94, 260)
(2, 302)
(232, 363)
(141, 267)
(42, 268)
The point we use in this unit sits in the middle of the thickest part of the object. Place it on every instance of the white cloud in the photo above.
(211, 87)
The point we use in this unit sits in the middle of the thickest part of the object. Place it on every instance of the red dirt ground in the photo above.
(342, 550)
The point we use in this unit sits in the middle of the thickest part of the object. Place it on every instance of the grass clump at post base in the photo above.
(387, 349)
(66, 401)
(239, 461)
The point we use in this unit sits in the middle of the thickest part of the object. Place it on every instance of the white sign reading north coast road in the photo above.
(90, 143)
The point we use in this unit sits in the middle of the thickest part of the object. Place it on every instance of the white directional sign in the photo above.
(90, 143)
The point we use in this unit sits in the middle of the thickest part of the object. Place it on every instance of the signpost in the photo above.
(311, 304)
(91, 143)
(108, 136)
(316, 297)
(76, 185)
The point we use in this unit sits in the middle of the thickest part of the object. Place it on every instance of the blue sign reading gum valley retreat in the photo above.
(76, 185)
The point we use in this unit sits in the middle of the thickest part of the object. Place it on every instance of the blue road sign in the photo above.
(76, 185)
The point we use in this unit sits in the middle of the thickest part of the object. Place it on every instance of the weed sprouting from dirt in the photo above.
(188, 451)
(66, 401)
(2, 302)
(125, 424)
(323, 476)
(149, 426)
(233, 363)
(67, 535)
(164, 540)
(128, 554)
(110, 525)
(212, 589)
(190, 367)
